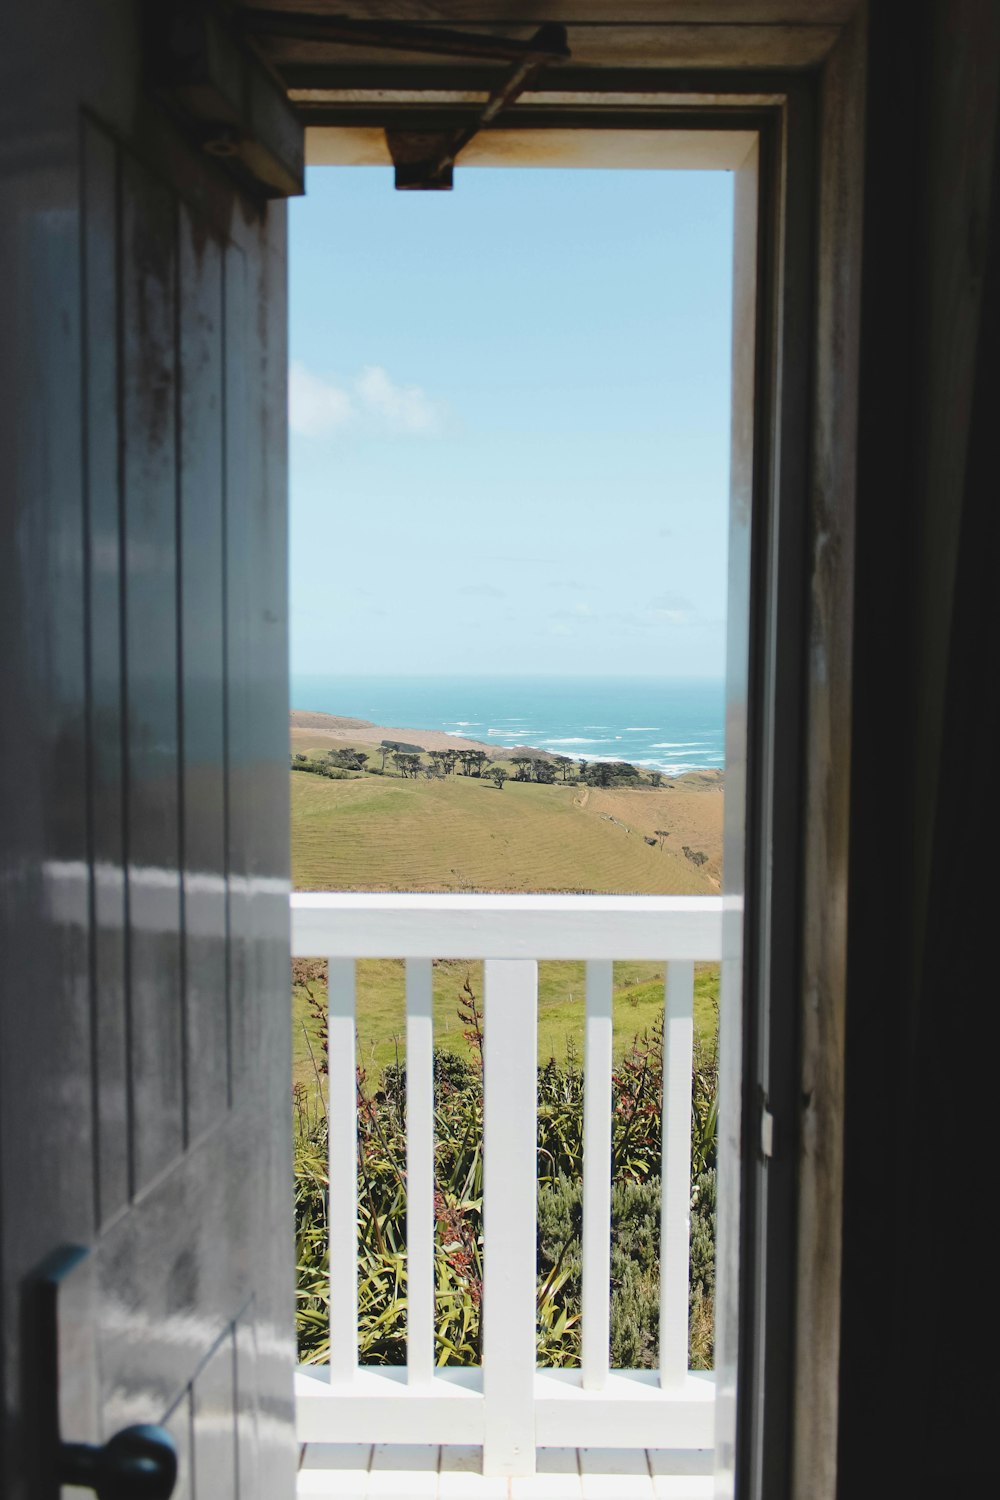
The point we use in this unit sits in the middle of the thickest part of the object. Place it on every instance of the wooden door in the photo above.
(144, 1068)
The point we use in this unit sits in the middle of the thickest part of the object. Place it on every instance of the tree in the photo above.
(655, 778)
(563, 762)
(450, 757)
(600, 774)
(545, 772)
(498, 775)
(479, 759)
(661, 834)
(522, 767)
(347, 760)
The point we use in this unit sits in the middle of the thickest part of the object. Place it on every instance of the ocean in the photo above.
(669, 726)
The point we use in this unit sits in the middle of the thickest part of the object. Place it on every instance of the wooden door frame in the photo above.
(797, 295)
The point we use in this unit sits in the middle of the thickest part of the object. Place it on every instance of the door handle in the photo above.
(138, 1463)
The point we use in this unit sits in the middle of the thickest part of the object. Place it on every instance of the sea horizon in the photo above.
(671, 725)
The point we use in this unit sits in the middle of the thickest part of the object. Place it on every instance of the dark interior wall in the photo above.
(920, 1296)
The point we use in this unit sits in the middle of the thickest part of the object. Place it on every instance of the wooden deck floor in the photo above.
(404, 1472)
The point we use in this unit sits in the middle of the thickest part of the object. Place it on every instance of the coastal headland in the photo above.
(382, 825)
(312, 731)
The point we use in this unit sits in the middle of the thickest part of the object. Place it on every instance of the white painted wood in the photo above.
(393, 925)
(596, 1281)
(343, 1211)
(632, 1411)
(675, 1213)
(507, 1406)
(684, 1487)
(509, 1215)
(334, 1471)
(557, 1477)
(615, 1474)
(341, 1472)
(679, 1475)
(403, 1472)
(419, 1171)
(380, 1406)
(461, 1477)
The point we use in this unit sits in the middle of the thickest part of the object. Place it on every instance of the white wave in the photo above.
(466, 723)
(641, 728)
(682, 745)
(508, 732)
(576, 740)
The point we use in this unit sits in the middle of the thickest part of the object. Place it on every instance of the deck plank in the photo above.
(390, 1471)
(403, 1471)
(461, 1476)
(557, 1477)
(615, 1474)
(335, 1471)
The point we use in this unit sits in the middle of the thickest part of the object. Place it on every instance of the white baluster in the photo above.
(343, 1210)
(510, 1211)
(596, 1288)
(675, 1217)
(419, 1170)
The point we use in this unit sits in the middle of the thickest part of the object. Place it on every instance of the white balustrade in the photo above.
(508, 1406)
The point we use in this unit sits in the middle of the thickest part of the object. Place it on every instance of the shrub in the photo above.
(458, 1107)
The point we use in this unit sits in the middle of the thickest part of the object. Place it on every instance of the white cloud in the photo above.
(319, 407)
(316, 407)
(399, 408)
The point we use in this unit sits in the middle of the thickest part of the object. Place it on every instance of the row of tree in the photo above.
(409, 763)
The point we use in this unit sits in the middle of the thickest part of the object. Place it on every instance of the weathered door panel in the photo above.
(143, 1032)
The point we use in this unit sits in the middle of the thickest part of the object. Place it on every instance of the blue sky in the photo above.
(510, 423)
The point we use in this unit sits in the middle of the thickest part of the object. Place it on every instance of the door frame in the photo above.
(796, 288)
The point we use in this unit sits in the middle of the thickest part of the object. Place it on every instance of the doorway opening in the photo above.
(414, 468)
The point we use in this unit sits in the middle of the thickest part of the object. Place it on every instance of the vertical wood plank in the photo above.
(675, 1208)
(247, 1405)
(237, 544)
(343, 1209)
(509, 1215)
(150, 553)
(596, 1287)
(202, 728)
(214, 1424)
(419, 1171)
(179, 1423)
(104, 668)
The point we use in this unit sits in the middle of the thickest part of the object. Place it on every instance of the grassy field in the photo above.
(462, 834)
(638, 1008)
(384, 833)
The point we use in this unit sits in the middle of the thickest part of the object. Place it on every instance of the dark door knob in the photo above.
(138, 1463)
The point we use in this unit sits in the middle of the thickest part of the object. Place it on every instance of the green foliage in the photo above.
(458, 1108)
(609, 773)
(328, 768)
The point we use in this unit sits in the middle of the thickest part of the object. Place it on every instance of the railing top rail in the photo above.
(335, 924)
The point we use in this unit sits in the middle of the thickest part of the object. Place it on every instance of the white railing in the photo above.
(507, 1405)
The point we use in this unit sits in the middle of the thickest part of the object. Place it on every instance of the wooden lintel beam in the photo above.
(398, 36)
